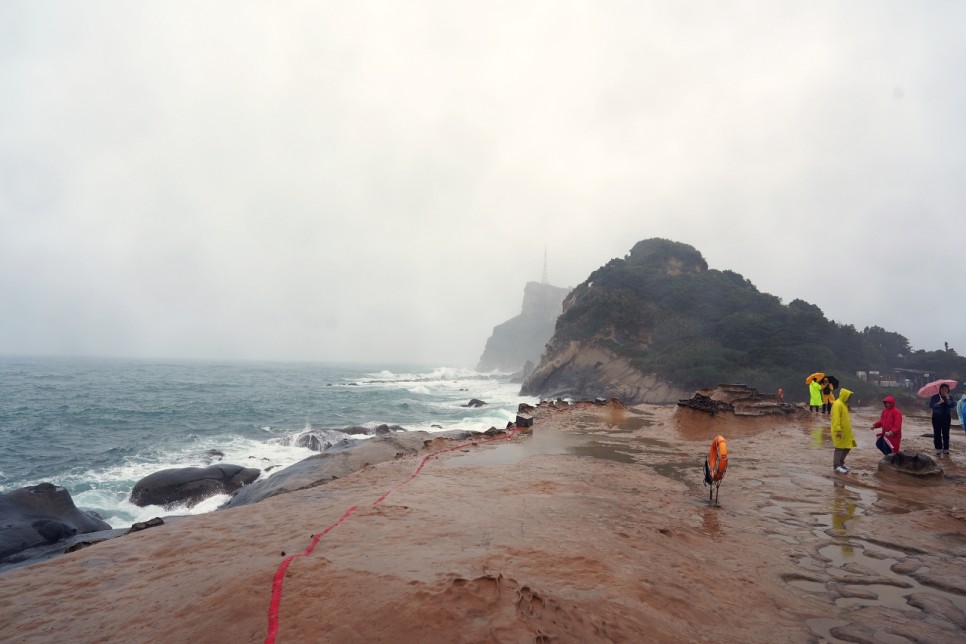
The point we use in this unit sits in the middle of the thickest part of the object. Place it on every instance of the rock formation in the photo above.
(581, 370)
(738, 399)
(190, 485)
(920, 466)
(41, 514)
(523, 338)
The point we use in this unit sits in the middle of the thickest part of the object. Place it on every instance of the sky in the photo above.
(378, 181)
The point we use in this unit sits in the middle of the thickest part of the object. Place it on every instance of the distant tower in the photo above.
(545, 280)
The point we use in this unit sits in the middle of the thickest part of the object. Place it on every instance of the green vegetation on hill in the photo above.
(663, 309)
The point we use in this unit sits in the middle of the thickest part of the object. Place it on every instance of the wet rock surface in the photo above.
(190, 485)
(913, 464)
(39, 515)
(594, 528)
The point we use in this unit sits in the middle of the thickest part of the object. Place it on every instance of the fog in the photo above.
(376, 182)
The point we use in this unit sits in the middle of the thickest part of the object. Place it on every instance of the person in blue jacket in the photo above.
(942, 405)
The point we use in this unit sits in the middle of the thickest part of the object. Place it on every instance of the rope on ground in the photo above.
(276, 600)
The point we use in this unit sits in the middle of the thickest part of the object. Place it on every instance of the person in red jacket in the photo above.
(891, 423)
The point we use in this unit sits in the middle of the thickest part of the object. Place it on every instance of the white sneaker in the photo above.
(939, 452)
(945, 451)
(841, 469)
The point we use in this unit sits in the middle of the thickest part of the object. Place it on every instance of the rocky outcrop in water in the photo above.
(41, 514)
(189, 486)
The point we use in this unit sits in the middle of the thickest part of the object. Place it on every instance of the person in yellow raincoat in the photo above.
(842, 437)
(814, 396)
(827, 396)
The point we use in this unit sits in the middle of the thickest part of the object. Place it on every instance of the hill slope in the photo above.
(655, 325)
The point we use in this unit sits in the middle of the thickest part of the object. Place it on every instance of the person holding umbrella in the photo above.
(941, 404)
(891, 423)
(842, 438)
(829, 383)
(814, 391)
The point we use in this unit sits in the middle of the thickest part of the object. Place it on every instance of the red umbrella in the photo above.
(931, 389)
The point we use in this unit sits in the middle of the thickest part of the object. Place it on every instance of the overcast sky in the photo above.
(377, 181)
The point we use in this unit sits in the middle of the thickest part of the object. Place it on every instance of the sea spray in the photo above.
(96, 427)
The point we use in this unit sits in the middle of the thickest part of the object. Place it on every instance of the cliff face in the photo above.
(605, 325)
(585, 370)
(522, 339)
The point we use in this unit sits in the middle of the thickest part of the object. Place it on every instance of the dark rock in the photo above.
(355, 429)
(312, 442)
(914, 464)
(366, 431)
(53, 531)
(190, 485)
(40, 515)
(738, 399)
(474, 402)
(144, 525)
(524, 420)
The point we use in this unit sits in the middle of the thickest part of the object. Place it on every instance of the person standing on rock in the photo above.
(891, 423)
(827, 396)
(942, 418)
(814, 396)
(842, 438)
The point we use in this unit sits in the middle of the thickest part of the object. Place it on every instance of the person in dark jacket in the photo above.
(828, 395)
(891, 423)
(942, 404)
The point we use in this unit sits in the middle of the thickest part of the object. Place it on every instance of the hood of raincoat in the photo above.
(845, 394)
(890, 399)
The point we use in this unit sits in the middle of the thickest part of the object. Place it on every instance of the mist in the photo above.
(377, 183)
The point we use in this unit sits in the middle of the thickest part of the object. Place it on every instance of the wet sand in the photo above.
(594, 528)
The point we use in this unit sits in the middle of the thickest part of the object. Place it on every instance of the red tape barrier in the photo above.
(276, 601)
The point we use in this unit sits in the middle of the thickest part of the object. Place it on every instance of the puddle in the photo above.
(820, 436)
(632, 423)
(953, 538)
(845, 504)
(548, 442)
(606, 451)
(808, 585)
(681, 472)
(823, 626)
(855, 569)
(540, 442)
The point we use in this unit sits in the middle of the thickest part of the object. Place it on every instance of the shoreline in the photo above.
(595, 527)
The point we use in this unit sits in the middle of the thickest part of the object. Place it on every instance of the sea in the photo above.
(97, 426)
